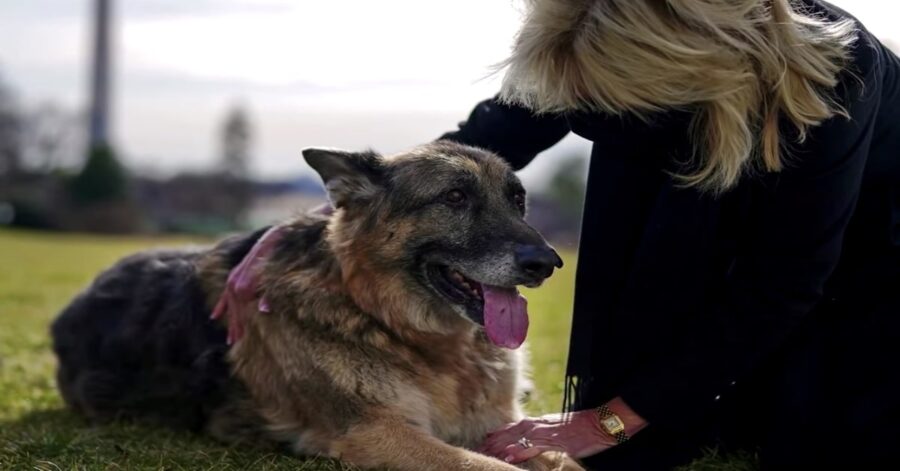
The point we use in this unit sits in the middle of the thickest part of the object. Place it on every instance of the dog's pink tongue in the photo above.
(505, 316)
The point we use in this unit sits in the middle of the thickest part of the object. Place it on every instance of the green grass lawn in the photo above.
(41, 272)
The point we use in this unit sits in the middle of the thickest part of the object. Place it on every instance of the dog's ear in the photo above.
(349, 176)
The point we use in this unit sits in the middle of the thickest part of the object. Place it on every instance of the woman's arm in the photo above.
(796, 229)
(513, 132)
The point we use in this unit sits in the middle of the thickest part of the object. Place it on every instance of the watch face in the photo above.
(613, 425)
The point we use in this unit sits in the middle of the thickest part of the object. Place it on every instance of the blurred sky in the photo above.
(387, 74)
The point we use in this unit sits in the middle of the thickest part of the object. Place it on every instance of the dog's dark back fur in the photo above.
(138, 341)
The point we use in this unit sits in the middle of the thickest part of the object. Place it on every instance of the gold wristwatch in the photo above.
(612, 424)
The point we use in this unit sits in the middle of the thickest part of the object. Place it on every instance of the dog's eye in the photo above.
(519, 200)
(455, 197)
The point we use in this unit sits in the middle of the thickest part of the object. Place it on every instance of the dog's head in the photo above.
(441, 226)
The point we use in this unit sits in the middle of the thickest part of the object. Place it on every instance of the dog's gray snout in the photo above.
(537, 260)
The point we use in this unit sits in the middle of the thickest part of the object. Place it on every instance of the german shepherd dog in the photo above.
(390, 332)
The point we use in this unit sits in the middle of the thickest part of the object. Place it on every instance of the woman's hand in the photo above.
(578, 434)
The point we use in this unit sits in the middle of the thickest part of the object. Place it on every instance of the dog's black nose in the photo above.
(537, 260)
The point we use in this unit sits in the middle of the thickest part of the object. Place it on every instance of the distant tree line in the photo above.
(49, 179)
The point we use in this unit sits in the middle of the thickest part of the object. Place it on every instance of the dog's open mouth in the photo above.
(457, 287)
(501, 310)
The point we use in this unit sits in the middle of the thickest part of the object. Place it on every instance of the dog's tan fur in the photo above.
(355, 364)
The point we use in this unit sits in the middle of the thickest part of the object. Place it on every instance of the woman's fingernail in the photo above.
(264, 305)
(508, 459)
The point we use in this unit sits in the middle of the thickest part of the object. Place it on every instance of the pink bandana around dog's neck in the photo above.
(505, 316)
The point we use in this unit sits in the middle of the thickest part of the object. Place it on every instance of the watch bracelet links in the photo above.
(604, 412)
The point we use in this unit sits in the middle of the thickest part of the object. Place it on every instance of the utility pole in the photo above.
(100, 77)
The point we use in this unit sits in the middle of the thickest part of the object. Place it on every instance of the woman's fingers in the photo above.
(543, 434)
(516, 453)
(537, 441)
(502, 435)
(519, 428)
(496, 449)
(529, 438)
(494, 445)
(497, 441)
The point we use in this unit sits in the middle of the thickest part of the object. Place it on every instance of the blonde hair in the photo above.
(741, 64)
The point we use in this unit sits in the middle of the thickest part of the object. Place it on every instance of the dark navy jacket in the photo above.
(680, 295)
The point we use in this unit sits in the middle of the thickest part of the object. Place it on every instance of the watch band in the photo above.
(605, 413)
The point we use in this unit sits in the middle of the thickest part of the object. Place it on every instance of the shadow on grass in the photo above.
(59, 439)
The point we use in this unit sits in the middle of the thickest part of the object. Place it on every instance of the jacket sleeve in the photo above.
(798, 218)
(514, 133)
